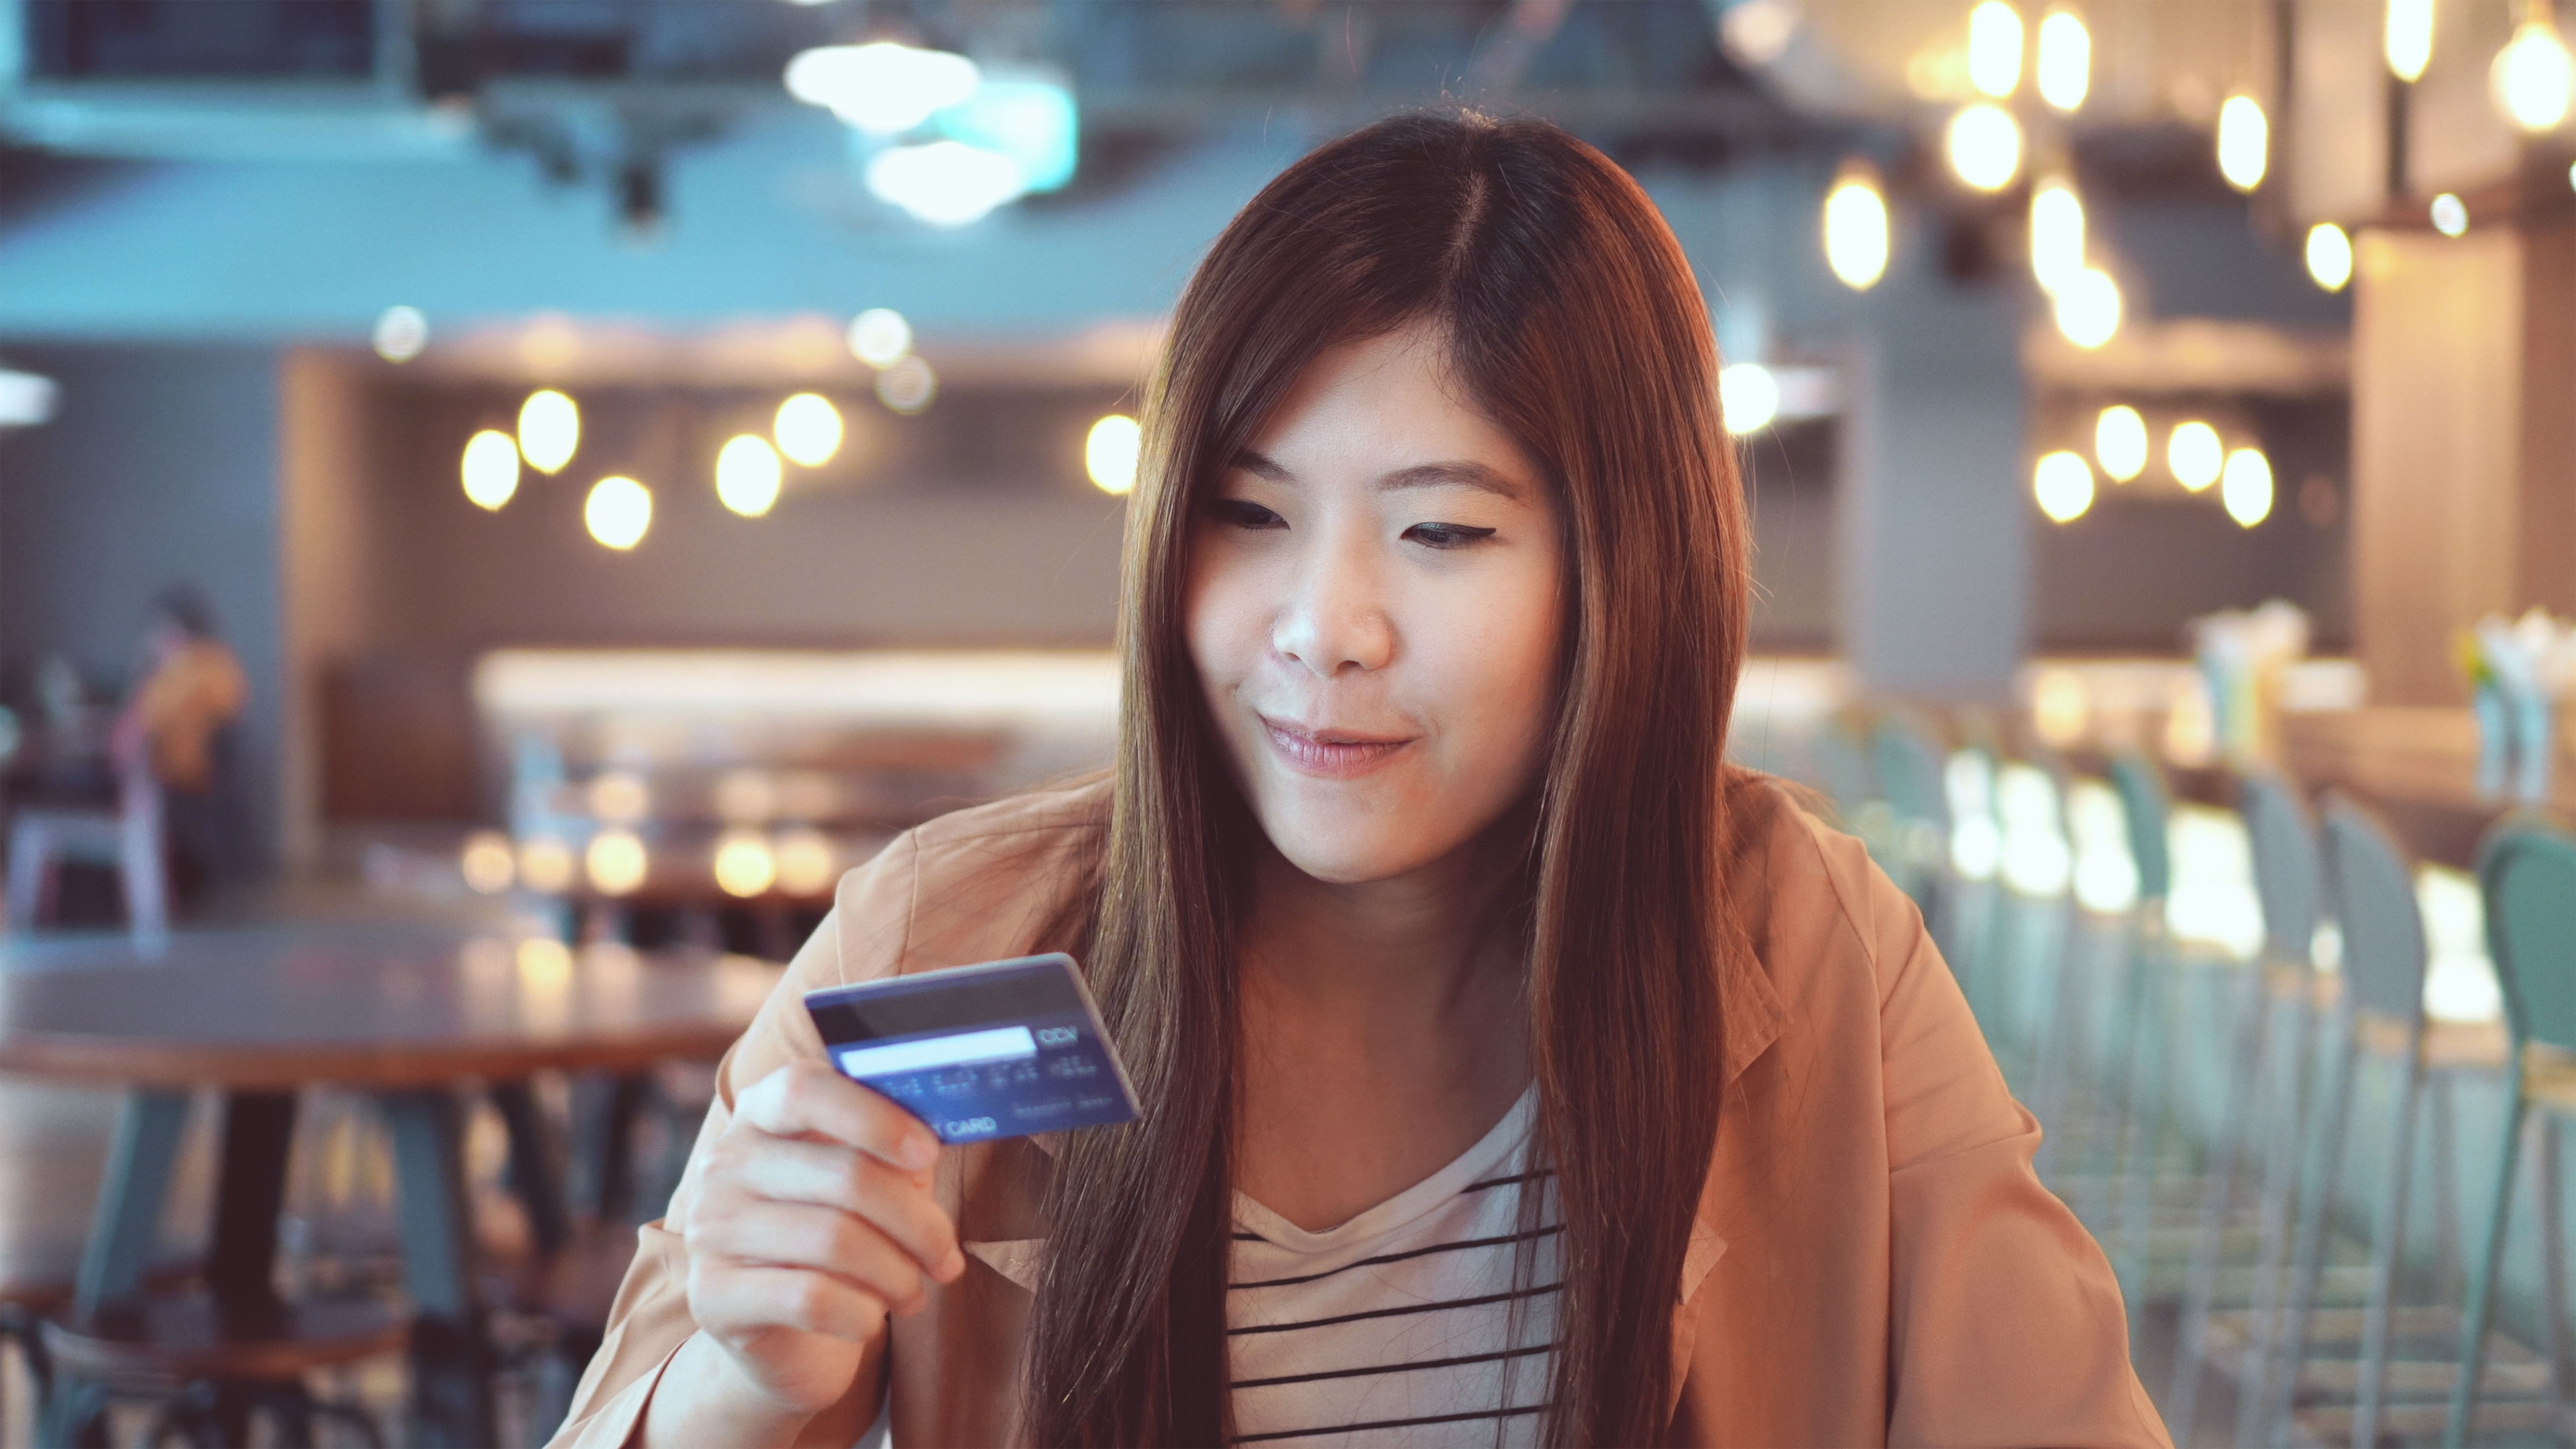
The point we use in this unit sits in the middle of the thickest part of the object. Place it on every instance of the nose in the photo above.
(1335, 617)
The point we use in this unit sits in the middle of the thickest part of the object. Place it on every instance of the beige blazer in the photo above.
(1873, 1262)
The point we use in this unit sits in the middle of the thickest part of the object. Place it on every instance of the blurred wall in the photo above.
(160, 467)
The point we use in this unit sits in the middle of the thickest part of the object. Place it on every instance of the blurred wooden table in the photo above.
(407, 1015)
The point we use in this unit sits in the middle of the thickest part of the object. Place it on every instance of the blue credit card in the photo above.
(978, 1052)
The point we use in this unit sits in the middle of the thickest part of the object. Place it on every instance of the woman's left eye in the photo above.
(1447, 535)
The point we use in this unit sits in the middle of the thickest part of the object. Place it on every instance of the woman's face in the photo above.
(1375, 614)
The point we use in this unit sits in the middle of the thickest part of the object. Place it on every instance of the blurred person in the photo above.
(1512, 1069)
(177, 725)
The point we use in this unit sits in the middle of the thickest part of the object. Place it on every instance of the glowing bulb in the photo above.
(2450, 215)
(806, 862)
(618, 512)
(745, 866)
(2244, 142)
(2056, 235)
(1748, 397)
(402, 333)
(2329, 256)
(908, 385)
(2063, 484)
(488, 862)
(2194, 454)
(1109, 453)
(2120, 443)
(2088, 308)
(1994, 48)
(620, 797)
(1856, 240)
(2064, 69)
(747, 475)
(615, 862)
(491, 468)
(880, 337)
(2246, 487)
(808, 429)
(1984, 143)
(2533, 76)
(549, 430)
(545, 865)
(2408, 39)
(945, 183)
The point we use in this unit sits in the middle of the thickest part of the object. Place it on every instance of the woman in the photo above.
(1512, 1070)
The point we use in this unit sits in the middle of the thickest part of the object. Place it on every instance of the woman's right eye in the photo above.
(1243, 513)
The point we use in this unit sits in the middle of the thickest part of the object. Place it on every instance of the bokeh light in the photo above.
(1994, 47)
(744, 864)
(2063, 70)
(2056, 235)
(747, 475)
(807, 864)
(1856, 231)
(2329, 256)
(1984, 146)
(2245, 486)
(488, 863)
(2088, 308)
(2407, 40)
(808, 429)
(401, 334)
(2063, 484)
(1109, 453)
(2120, 442)
(619, 797)
(2450, 215)
(616, 862)
(2194, 454)
(545, 864)
(2244, 142)
(618, 512)
(549, 430)
(491, 468)
(1748, 396)
(2533, 75)
(908, 385)
(880, 337)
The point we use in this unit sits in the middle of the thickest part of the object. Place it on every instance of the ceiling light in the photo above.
(2533, 76)
(2120, 442)
(2244, 142)
(880, 337)
(744, 864)
(1984, 143)
(491, 468)
(2408, 40)
(2056, 235)
(615, 862)
(2450, 215)
(549, 430)
(1748, 397)
(26, 398)
(1109, 453)
(1994, 48)
(618, 512)
(808, 429)
(881, 88)
(1856, 236)
(2246, 488)
(2329, 256)
(2088, 308)
(487, 862)
(2063, 484)
(2064, 68)
(806, 862)
(946, 183)
(2194, 454)
(401, 333)
(747, 475)
(1031, 119)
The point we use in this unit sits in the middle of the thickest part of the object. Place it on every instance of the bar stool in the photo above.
(2527, 874)
(2285, 882)
(2370, 893)
(127, 839)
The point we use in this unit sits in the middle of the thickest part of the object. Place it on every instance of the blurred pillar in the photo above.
(322, 548)
(2464, 443)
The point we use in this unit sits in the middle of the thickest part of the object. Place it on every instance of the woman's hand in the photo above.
(813, 1222)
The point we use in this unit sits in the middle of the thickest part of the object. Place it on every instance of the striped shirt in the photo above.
(1406, 1325)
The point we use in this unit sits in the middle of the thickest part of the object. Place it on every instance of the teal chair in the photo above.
(2146, 812)
(1908, 763)
(2370, 894)
(2527, 875)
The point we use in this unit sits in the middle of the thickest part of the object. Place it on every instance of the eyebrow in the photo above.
(1456, 473)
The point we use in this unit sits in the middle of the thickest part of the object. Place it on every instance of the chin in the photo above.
(1349, 847)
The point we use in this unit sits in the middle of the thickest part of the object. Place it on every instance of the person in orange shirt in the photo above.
(1512, 1069)
(173, 726)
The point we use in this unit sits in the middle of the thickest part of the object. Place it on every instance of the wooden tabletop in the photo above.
(281, 1008)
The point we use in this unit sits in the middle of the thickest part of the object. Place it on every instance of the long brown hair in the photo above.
(1572, 318)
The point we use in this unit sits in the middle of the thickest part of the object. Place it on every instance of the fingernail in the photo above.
(919, 1152)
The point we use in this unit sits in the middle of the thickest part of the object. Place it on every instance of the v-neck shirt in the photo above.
(1408, 1325)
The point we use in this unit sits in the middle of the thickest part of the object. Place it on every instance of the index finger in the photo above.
(808, 1097)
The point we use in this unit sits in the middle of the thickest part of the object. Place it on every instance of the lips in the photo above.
(1335, 754)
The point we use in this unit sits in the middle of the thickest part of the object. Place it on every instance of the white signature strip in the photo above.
(965, 1048)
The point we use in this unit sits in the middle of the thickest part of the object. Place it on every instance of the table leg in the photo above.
(127, 1221)
(451, 1356)
(536, 1166)
(259, 1130)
